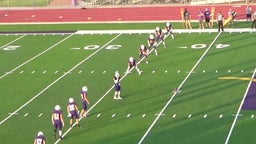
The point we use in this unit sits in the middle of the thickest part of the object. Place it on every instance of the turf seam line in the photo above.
(174, 94)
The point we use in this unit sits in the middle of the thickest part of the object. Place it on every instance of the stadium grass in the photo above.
(202, 93)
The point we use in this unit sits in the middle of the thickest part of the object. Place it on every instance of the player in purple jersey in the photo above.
(159, 36)
(168, 28)
(57, 121)
(116, 79)
(143, 51)
(84, 100)
(40, 139)
(132, 63)
(72, 112)
(152, 43)
(207, 15)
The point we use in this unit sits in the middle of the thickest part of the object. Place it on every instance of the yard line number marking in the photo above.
(174, 94)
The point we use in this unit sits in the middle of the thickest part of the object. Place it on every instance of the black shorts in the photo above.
(207, 19)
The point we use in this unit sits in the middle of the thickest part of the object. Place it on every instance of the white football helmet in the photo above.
(167, 24)
(151, 36)
(70, 100)
(130, 59)
(57, 107)
(84, 88)
(40, 133)
(117, 74)
(142, 47)
(157, 28)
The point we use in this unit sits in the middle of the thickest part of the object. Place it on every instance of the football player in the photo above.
(132, 63)
(72, 111)
(57, 121)
(152, 43)
(40, 139)
(159, 36)
(168, 28)
(85, 101)
(143, 51)
(116, 79)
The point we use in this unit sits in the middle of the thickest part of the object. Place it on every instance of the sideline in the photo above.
(134, 31)
(174, 94)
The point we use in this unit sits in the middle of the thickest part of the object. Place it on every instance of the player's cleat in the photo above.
(119, 98)
(61, 138)
(54, 135)
(146, 62)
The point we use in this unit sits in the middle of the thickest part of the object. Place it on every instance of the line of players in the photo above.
(57, 116)
(72, 108)
(143, 52)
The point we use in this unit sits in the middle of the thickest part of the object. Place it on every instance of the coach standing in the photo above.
(220, 19)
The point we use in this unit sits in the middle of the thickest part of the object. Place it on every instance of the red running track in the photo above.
(127, 14)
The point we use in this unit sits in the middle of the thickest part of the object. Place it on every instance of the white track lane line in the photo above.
(239, 109)
(107, 92)
(35, 57)
(37, 95)
(174, 94)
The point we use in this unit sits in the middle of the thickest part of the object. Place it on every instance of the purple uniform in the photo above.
(72, 110)
(143, 52)
(132, 64)
(39, 139)
(117, 84)
(159, 35)
(207, 16)
(84, 96)
(168, 29)
(57, 119)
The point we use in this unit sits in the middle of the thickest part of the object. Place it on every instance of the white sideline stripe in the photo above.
(35, 57)
(239, 109)
(57, 79)
(12, 41)
(107, 92)
(172, 97)
(152, 31)
(145, 31)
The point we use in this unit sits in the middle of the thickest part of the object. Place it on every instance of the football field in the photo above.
(212, 72)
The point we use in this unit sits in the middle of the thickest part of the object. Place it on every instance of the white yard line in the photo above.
(106, 93)
(7, 73)
(37, 95)
(12, 41)
(172, 97)
(239, 109)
